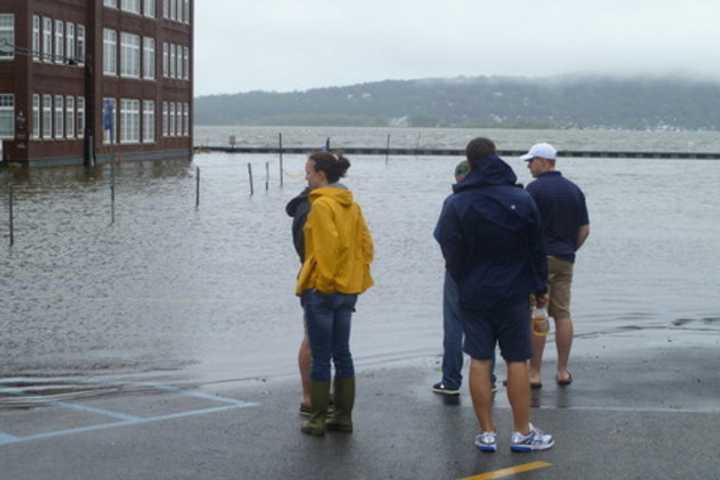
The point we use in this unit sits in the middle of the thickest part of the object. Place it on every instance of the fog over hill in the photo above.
(510, 102)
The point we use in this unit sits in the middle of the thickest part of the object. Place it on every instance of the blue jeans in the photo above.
(453, 337)
(328, 326)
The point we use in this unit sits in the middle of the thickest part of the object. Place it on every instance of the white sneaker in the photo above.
(486, 441)
(534, 441)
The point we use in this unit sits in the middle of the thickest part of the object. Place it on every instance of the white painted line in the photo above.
(191, 393)
(99, 411)
(94, 428)
(6, 438)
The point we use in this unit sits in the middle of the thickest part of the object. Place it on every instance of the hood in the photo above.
(491, 171)
(337, 192)
(292, 206)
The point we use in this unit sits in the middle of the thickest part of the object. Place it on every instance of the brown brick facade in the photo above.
(25, 77)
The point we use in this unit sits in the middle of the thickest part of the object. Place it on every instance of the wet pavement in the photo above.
(642, 406)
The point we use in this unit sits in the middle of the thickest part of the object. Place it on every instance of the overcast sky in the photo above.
(285, 45)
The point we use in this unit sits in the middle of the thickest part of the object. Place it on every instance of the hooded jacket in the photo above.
(298, 209)
(491, 237)
(338, 245)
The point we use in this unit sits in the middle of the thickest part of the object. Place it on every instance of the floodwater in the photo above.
(206, 294)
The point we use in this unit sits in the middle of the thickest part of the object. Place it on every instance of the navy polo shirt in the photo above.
(563, 211)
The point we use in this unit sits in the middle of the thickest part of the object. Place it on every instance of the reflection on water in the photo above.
(207, 293)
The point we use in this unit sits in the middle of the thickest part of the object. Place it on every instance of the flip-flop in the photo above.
(566, 382)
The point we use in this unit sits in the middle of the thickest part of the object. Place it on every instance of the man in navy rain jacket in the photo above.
(491, 237)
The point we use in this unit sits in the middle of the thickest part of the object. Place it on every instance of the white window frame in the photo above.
(80, 113)
(111, 3)
(178, 119)
(187, 11)
(173, 59)
(110, 57)
(7, 33)
(59, 41)
(179, 63)
(166, 59)
(186, 120)
(81, 44)
(130, 6)
(149, 8)
(165, 120)
(70, 49)
(148, 121)
(35, 116)
(172, 116)
(7, 114)
(186, 55)
(173, 10)
(149, 56)
(69, 117)
(130, 121)
(130, 55)
(59, 112)
(36, 39)
(166, 9)
(47, 117)
(47, 39)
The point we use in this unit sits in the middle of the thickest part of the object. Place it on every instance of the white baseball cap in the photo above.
(542, 150)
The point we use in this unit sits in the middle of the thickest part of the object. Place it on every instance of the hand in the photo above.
(541, 300)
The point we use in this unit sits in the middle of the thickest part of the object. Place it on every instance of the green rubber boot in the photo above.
(340, 420)
(320, 397)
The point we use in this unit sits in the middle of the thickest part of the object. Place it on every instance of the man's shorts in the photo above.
(560, 273)
(507, 323)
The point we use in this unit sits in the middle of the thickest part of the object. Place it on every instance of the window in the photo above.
(129, 121)
(80, 53)
(186, 120)
(47, 124)
(36, 117)
(36, 38)
(80, 117)
(59, 117)
(186, 73)
(132, 6)
(148, 121)
(179, 67)
(47, 39)
(173, 9)
(70, 117)
(59, 41)
(166, 8)
(7, 34)
(179, 120)
(7, 116)
(149, 58)
(165, 126)
(109, 121)
(180, 11)
(186, 4)
(171, 133)
(70, 41)
(110, 3)
(149, 8)
(109, 52)
(166, 61)
(129, 55)
(173, 59)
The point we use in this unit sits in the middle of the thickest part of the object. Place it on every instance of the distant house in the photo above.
(84, 80)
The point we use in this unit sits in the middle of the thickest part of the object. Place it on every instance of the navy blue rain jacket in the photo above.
(490, 234)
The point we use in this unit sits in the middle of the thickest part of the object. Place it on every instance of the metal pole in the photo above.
(197, 187)
(387, 151)
(112, 191)
(267, 176)
(12, 217)
(327, 144)
(282, 172)
(252, 188)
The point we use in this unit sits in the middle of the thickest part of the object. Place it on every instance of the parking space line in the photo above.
(9, 440)
(191, 393)
(99, 411)
(507, 472)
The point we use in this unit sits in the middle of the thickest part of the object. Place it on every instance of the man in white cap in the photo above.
(566, 226)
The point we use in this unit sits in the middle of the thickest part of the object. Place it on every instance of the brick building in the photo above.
(83, 80)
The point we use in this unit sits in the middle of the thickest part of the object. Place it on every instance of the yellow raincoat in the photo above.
(338, 245)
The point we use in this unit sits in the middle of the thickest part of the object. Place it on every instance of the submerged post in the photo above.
(197, 187)
(282, 172)
(387, 150)
(327, 144)
(252, 188)
(12, 218)
(267, 176)
(112, 191)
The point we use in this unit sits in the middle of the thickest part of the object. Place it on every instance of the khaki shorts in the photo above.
(560, 273)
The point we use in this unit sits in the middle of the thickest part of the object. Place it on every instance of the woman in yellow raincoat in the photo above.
(336, 269)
